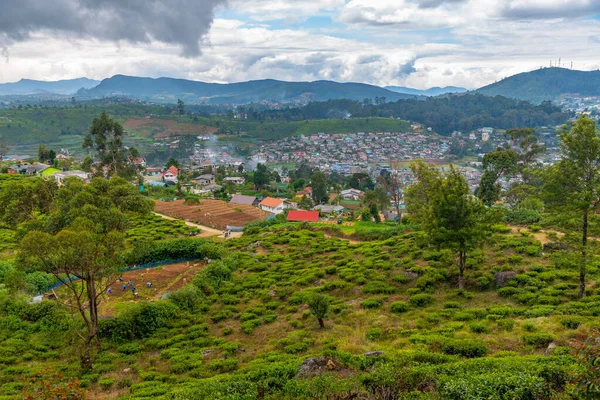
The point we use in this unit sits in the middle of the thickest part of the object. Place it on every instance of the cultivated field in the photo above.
(213, 213)
(162, 128)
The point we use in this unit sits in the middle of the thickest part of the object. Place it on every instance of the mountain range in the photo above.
(535, 86)
(29, 86)
(434, 91)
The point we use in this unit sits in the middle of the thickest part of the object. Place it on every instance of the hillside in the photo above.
(63, 87)
(545, 84)
(168, 90)
(434, 91)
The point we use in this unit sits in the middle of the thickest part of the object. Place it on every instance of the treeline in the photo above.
(443, 114)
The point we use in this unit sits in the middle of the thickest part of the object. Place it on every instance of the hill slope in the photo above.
(545, 84)
(168, 90)
(29, 86)
(434, 91)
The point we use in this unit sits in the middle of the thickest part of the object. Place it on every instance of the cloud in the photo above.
(180, 22)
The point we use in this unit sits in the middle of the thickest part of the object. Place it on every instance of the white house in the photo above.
(170, 175)
(351, 194)
(272, 205)
(61, 176)
(206, 179)
(234, 180)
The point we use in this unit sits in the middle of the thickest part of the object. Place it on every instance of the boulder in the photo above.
(411, 275)
(503, 277)
(254, 245)
(551, 347)
(314, 366)
(377, 353)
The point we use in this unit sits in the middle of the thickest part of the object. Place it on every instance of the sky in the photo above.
(414, 43)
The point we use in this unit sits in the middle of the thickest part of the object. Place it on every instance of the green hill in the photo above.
(545, 84)
(168, 90)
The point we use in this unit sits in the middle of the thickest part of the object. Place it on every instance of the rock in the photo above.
(254, 245)
(411, 275)
(272, 293)
(126, 370)
(374, 353)
(503, 277)
(551, 347)
(330, 365)
(207, 352)
(312, 366)
(317, 283)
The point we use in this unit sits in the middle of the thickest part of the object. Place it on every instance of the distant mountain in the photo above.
(545, 84)
(29, 86)
(168, 90)
(434, 91)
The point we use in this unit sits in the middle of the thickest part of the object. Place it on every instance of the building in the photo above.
(307, 191)
(140, 162)
(206, 179)
(351, 194)
(272, 205)
(152, 171)
(27, 169)
(241, 199)
(234, 180)
(170, 175)
(62, 176)
(327, 209)
(302, 216)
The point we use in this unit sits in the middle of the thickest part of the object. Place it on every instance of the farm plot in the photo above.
(213, 213)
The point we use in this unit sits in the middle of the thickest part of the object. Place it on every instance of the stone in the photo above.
(551, 347)
(503, 277)
(254, 245)
(330, 365)
(207, 352)
(411, 275)
(376, 353)
(317, 283)
(126, 370)
(312, 366)
(272, 293)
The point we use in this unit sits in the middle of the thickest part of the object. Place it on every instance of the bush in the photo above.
(570, 322)
(378, 287)
(374, 334)
(398, 307)
(478, 327)
(466, 347)
(145, 252)
(188, 298)
(106, 384)
(371, 303)
(539, 339)
(421, 300)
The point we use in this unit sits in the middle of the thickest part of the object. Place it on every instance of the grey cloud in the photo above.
(523, 10)
(180, 22)
(436, 3)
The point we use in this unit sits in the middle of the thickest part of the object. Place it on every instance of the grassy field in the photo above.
(248, 330)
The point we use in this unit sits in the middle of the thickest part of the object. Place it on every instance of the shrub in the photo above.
(570, 322)
(106, 384)
(466, 347)
(478, 327)
(374, 334)
(398, 307)
(538, 339)
(421, 300)
(188, 298)
(378, 287)
(371, 303)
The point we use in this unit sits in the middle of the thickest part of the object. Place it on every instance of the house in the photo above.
(272, 205)
(61, 157)
(351, 194)
(36, 169)
(302, 216)
(170, 175)
(206, 179)
(307, 191)
(139, 161)
(241, 199)
(152, 171)
(327, 209)
(62, 176)
(213, 188)
(234, 180)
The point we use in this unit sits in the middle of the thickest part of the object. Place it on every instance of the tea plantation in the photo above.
(396, 326)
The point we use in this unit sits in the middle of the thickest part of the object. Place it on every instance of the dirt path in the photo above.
(328, 236)
(205, 230)
(541, 236)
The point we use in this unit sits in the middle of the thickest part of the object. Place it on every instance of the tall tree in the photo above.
(452, 217)
(573, 184)
(180, 106)
(260, 178)
(496, 164)
(80, 242)
(318, 183)
(318, 305)
(392, 183)
(42, 153)
(106, 136)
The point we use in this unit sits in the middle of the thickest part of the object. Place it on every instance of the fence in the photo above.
(128, 269)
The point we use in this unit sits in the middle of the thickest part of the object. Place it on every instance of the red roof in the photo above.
(172, 169)
(300, 215)
(271, 202)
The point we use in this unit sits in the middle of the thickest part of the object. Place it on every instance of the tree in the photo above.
(573, 184)
(80, 242)
(496, 164)
(42, 153)
(318, 183)
(318, 305)
(106, 135)
(452, 217)
(172, 162)
(393, 185)
(260, 178)
(51, 156)
(180, 107)
(378, 197)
